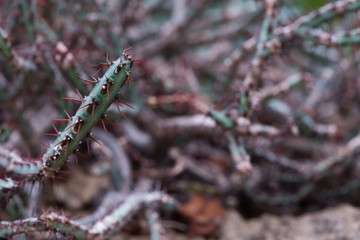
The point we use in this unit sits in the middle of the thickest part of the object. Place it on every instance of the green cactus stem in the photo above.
(4, 44)
(46, 222)
(91, 110)
(109, 225)
(330, 39)
(121, 215)
(157, 231)
(14, 164)
(7, 185)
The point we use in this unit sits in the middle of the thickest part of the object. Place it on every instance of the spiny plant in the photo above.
(100, 229)
(258, 105)
(92, 109)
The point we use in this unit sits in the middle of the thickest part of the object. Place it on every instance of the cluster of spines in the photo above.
(92, 109)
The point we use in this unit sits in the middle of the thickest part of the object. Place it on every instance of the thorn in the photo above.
(104, 127)
(79, 93)
(107, 92)
(93, 110)
(93, 76)
(51, 134)
(127, 89)
(107, 120)
(71, 126)
(128, 78)
(128, 81)
(118, 107)
(85, 80)
(136, 60)
(66, 148)
(77, 135)
(103, 64)
(94, 140)
(61, 120)
(123, 53)
(107, 58)
(86, 105)
(108, 63)
(76, 161)
(100, 64)
(87, 143)
(83, 155)
(59, 142)
(57, 132)
(125, 104)
(67, 114)
(73, 99)
(45, 145)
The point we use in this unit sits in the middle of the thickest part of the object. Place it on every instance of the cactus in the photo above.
(256, 107)
(7, 185)
(110, 224)
(17, 166)
(91, 110)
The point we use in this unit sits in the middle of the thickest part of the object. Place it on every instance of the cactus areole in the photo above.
(105, 92)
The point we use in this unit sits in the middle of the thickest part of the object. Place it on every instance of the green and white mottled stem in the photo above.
(91, 110)
(7, 185)
(45, 222)
(329, 39)
(265, 33)
(117, 218)
(157, 231)
(14, 164)
(110, 224)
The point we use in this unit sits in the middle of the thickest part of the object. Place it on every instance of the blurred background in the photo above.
(246, 112)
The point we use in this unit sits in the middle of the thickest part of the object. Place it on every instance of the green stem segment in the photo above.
(103, 228)
(14, 164)
(91, 110)
(7, 185)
